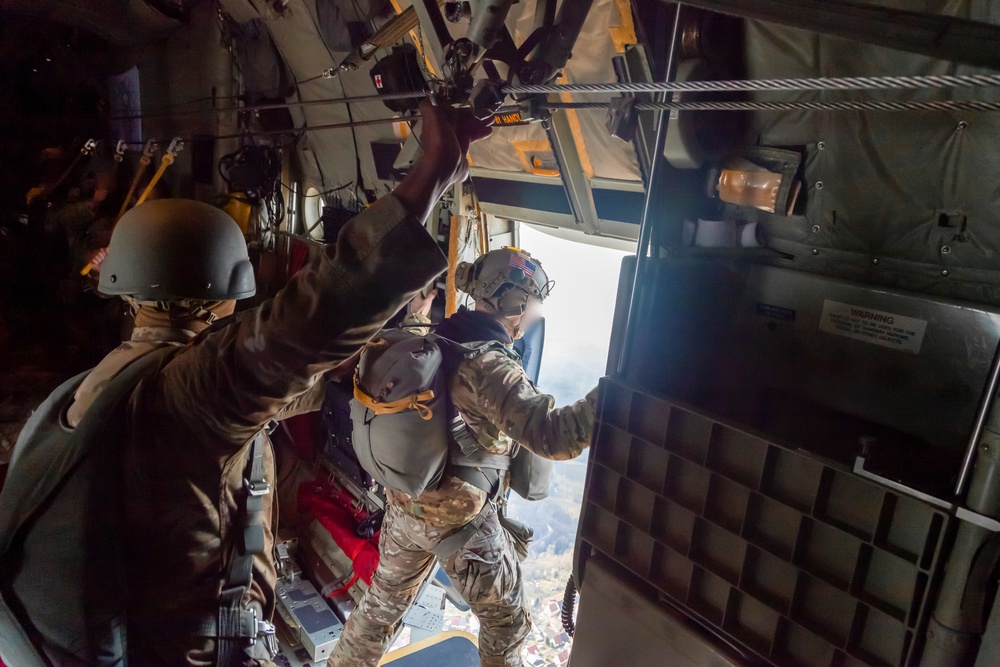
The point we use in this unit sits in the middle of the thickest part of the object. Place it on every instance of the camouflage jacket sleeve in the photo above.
(502, 406)
(412, 321)
(233, 381)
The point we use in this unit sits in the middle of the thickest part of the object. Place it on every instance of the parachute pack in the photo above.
(407, 435)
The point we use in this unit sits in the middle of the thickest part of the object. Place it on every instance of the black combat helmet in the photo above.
(177, 249)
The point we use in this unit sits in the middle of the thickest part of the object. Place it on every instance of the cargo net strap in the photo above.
(416, 402)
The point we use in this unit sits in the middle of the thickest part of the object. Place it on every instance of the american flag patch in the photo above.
(520, 262)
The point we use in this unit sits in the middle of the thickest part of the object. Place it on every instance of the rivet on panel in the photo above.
(816, 229)
(945, 249)
(114, 279)
(815, 251)
(819, 185)
(821, 145)
(875, 261)
(945, 273)
(962, 125)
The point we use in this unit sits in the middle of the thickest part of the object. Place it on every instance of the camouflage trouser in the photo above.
(486, 571)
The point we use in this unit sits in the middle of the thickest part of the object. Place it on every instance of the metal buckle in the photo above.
(261, 488)
(271, 643)
(253, 627)
(265, 630)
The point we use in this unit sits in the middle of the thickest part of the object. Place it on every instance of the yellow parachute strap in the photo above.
(484, 231)
(415, 402)
(168, 159)
(144, 161)
(451, 289)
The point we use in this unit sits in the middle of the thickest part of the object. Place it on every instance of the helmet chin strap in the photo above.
(205, 315)
(513, 325)
(508, 322)
(186, 314)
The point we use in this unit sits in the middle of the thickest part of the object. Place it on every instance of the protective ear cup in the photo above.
(513, 302)
(465, 277)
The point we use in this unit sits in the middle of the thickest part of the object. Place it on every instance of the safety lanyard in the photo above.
(168, 159)
(144, 160)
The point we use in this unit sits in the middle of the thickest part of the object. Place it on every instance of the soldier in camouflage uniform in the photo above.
(502, 409)
(191, 425)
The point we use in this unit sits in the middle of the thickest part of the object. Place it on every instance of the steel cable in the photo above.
(821, 84)
(849, 105)
(831, 83)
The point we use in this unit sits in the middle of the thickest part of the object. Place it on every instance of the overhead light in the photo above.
(48, 60)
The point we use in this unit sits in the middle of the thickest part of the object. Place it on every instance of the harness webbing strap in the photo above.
(235, 633)
(415, 402)
(451, 544)
(484, 479)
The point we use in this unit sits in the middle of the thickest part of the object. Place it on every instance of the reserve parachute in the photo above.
(407, 435)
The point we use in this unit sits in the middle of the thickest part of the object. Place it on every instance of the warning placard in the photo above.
(873, 326)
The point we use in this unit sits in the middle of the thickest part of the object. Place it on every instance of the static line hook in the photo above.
(176, 146)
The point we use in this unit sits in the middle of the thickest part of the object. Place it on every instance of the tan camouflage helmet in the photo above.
(510, 275)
